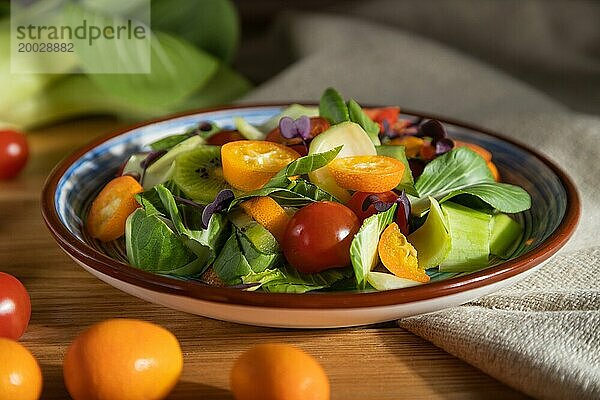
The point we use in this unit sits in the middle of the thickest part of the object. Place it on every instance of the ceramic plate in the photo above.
(73, 184)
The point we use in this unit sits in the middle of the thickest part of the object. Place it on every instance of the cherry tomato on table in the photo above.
(14, 152)
(318, 237)
(15, 307)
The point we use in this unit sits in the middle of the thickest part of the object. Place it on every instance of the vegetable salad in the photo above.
(335, 197)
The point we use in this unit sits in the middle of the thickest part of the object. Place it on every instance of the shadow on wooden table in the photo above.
(194, 390)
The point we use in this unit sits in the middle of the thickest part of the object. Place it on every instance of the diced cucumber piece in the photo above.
(134, 164)
(294, 111)
(259, 236)
(248, 131)
(470, 238)
(432, 240)
(383, 281)
(162, 169)
(505, 233)
(355, 142)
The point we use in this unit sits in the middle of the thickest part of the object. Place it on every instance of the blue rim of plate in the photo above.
(65, 200)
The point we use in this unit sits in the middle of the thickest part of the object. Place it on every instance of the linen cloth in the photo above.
(542, 335)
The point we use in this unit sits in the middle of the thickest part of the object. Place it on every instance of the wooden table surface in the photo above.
(375, 362)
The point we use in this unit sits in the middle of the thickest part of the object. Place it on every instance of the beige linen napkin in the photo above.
(542, 335)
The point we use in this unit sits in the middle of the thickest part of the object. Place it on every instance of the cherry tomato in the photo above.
(220, 138)
(318, 125)
(358, 198)
(13, 153)
(318, 237)
(389, 114)
(15, 307)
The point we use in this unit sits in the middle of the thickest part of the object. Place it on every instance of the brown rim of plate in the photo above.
(196, 290)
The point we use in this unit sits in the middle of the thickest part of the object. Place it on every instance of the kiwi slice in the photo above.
(198, 173)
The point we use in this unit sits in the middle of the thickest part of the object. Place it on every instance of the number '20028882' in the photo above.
(45, 48)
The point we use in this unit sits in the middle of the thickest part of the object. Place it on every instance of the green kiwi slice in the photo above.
(198, 173)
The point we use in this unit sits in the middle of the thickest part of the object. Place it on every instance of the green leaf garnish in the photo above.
(357, 115)
(462, 171)
(332, 107)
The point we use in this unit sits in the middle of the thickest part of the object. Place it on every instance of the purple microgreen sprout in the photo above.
(439, 137)
(443, 145)
(416, 166)
(291, 128)
(220, 203)
(188, 202)
(402, 212)
(433, 129)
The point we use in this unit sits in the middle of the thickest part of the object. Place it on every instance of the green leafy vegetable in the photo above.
(363, 250)
(298, 192)
(399, 153)
(211, 25)
(289, 280)
(303, 166)
(225, 86)
(240, 261)
(501, 196)
(259, 236)
(332, 107)
(153, 246)
(189, 42)
(165, 245)
(357, 115)
(462, 171)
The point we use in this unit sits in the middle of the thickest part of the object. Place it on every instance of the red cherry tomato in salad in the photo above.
(318, 237)
(15, 307)
(220, 138)
(318, 125)
(358, 198)
(14, 152)
(389, 114)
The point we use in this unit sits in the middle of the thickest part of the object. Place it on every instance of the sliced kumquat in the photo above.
(374, 174)
(494, 171)
(412, 145)
(268, 213)
(249, 164)
(486, 155)
(112, 206)
(399, 256)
